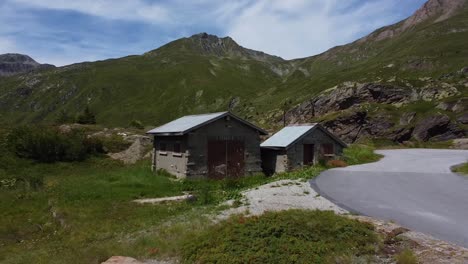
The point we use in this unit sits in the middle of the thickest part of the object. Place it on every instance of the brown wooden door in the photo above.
(235, 162)
(308, 154)
(217, 159)
(225, 158)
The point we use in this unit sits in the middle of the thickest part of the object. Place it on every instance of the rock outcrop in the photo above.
(437, 127)
(355, 111)
(350, 94)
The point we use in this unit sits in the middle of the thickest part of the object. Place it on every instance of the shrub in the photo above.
(86, 117)
(137, 124)
(406, 257)
(48, 145)
(358, 154)
(113, 143)
(336, 164)
(293, 236)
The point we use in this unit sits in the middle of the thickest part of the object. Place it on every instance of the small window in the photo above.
(162, 146)
(177, 148)
(328, 149)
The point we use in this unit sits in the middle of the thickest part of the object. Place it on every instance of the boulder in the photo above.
(407, 118)
(403, 134)
(437, 127)
(349, 127)
(460, 143)
(463, 119)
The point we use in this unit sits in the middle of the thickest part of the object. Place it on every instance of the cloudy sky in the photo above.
(67, 31)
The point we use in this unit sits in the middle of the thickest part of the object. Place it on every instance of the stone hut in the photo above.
(216, 145)
(299, 145)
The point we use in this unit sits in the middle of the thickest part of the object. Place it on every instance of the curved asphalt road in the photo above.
(413, 187)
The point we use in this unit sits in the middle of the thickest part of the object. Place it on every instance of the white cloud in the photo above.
(137, 10)
(291, 29)
(300, 28)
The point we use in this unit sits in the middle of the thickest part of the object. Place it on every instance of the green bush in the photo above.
(406, 257)
(359, 154)
(48, 145)
(86, 117)
(293, 236)
(113, 143)
(137, 124)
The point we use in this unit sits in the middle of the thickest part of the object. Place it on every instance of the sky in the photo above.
(63, 32)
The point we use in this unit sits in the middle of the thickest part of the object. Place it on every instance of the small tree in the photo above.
(87, 117)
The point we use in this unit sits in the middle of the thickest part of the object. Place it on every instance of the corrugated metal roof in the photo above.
(185, 123)
(286, 136)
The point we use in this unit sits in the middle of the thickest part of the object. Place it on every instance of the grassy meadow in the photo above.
(56, 211)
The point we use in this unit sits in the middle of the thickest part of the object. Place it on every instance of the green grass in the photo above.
(462, 169)
(94, 216)
(406, 257)
(82, 212)
(358, 154)
(286, 237)
(93, 208)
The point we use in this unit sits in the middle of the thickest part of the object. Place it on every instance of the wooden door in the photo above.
(235, 162)
(225, 158)
(308, 154)
(217, 167)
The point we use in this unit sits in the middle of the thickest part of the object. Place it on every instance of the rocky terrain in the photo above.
(383, 110)
(12, 63)
(389, 85)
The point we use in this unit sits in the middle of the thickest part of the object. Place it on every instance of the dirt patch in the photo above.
(138, 150)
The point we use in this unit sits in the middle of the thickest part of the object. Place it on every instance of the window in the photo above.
(328, 149)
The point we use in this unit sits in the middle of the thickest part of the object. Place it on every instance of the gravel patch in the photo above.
(281, 195)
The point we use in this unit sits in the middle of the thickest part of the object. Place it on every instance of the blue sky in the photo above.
(62, 32)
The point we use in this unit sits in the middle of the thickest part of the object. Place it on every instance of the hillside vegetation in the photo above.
(420, 62)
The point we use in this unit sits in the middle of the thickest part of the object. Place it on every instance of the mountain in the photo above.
(414, 69)
(13, 63)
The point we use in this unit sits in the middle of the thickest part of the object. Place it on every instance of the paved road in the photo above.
(413, 187)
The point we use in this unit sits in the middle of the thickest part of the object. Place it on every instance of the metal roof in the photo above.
(286, 136)
(290, 134)
(188, 123)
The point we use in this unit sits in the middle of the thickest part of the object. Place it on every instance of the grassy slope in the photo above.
(178, 79)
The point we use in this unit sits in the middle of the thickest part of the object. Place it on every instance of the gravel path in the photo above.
(282, 195)
(413, 187)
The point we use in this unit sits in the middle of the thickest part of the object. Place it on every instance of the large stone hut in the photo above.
(214, 145)
(297, 146)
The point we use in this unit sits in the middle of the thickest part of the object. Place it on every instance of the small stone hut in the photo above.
(299, 145)
(216, 145)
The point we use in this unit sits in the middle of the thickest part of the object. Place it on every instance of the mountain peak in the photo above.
(15, 63)
(212, 45)
(17, 58)
(432, 10)
(442, 9)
